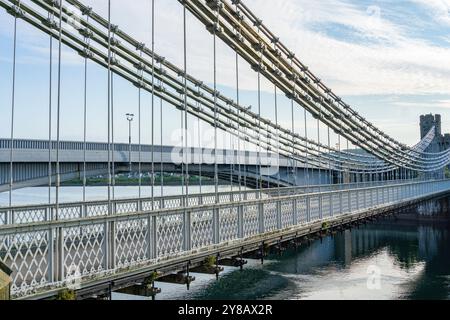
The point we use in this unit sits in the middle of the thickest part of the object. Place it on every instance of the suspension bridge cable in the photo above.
(348, 174)
(318, 141)
(200, 145)
(113, 146)
(183, 177)
(109, 108)
(260, 184)
(13, 105)
(87, 40)
(50, 87)
(139, 85)
(278, 141)
(216, 174)
(239, 127)
(238, 97)
(232, 161)
(185, 129)
(340, 161)
(294, 161)
(58, 113)
(329, 160)
(161, 151)
(152, 173)
(139, 137)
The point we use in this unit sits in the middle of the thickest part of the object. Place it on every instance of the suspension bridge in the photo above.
(285, 185)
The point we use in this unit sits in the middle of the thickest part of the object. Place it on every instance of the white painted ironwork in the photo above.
(43, 253)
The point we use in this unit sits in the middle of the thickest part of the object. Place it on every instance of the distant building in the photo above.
(441, 141)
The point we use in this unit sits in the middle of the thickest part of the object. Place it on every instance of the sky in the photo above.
(388, 59)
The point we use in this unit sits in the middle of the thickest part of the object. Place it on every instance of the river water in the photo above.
(40, 195)
(406, 257)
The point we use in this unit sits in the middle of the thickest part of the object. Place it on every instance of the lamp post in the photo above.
(130, 117)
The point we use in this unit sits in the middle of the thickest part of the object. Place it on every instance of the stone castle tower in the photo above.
(441, 142)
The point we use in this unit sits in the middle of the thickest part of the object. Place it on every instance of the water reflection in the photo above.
(406, 257)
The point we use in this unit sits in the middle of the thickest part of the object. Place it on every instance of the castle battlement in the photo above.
(442, 141)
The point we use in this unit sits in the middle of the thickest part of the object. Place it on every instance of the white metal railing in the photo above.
(72, 210)
(47, 253)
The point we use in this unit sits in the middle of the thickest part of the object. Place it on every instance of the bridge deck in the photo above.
(46, 254)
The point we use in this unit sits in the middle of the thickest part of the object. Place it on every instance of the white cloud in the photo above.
(439, 9)
(435, 104)
(396, 64)
(382, 57)
(385, 61)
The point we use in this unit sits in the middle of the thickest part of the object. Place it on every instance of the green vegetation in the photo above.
(325, 226)
(151, 279)
(447, 173)
(210, 261)
(67, 294)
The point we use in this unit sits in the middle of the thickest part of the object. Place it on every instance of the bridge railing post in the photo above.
(50, 247)
(295, 212)
(308, 209)
(349, 199)
(365, 199)
(332, 205)
(112, 244)
(409, 191)
(261, 218)
(320, 206)
(51, 256)
(240, 221)
(357, 199)
(279, 224)
(153, 226)
(82, 211)
(149, 238)
(60, 270)
(216, 226)
(187, 228)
